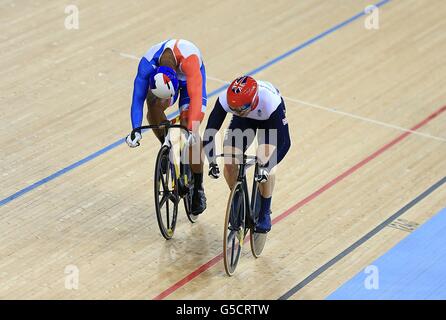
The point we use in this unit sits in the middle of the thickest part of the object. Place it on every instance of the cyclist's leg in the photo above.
(231, 166)
(264, 152)
(195, 152)
(238, 137)
(274, 143)
(155, 112)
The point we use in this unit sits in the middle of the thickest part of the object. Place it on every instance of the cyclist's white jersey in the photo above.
(269, 100)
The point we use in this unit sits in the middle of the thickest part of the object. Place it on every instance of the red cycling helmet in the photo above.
(242, 94)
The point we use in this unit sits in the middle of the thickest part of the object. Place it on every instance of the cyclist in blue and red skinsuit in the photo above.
(170, 70)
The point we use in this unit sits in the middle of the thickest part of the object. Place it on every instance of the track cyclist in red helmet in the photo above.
(169, 71)
(258, 110)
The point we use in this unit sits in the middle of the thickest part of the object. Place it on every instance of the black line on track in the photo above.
(366, 237)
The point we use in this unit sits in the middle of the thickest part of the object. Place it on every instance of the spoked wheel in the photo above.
(188, 179)
(234, 229)
(166, 194)
(257, 240)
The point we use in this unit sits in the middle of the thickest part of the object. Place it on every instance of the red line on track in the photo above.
(304, 201)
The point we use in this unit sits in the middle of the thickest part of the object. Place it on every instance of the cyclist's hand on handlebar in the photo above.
(214, 170)
(133, 139)
(262, 175)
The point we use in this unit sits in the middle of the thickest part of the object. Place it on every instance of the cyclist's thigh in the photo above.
(240, 133)
(237, 155)
(155, 102)
(155, 109)
(275, 130)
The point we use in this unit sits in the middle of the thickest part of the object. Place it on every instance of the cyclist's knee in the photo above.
(266, 189)
(230, 169)
(230, 172)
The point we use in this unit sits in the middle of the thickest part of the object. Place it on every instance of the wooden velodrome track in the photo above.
(365, 113)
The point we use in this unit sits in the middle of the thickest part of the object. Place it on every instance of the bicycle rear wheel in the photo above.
(257, 240)
(166, 194)
(234, 228)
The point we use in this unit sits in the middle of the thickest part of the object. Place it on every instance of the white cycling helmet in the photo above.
(164, 83)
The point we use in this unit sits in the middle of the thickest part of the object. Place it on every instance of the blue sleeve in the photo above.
(215, 121)
(140, 87)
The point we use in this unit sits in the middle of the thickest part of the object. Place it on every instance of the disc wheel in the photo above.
(257, 240)
(166, 194)
(234, 228)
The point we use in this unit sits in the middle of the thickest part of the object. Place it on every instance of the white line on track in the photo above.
(332, 110)
(354, 116)
(351, 115)
(217, 80)
(130, 56)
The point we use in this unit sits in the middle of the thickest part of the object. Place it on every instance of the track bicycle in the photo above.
(242, 214)
(172, 181)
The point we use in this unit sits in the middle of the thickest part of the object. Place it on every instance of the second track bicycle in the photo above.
(242, 214)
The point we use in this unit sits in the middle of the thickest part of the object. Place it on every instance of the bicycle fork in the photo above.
(180, 175)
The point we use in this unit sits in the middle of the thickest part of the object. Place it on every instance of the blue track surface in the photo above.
(414, 269)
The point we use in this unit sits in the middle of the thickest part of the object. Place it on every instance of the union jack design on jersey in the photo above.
(238, 85)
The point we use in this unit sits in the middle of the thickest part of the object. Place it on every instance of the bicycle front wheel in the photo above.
(234, 228)
(166, 193)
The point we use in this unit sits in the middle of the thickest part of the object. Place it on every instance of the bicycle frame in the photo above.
(167, 140)
(168, 143)
(247, 161)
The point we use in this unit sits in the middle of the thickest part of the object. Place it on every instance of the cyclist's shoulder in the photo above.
(267, 87)
(155, 51)
(223, 101)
